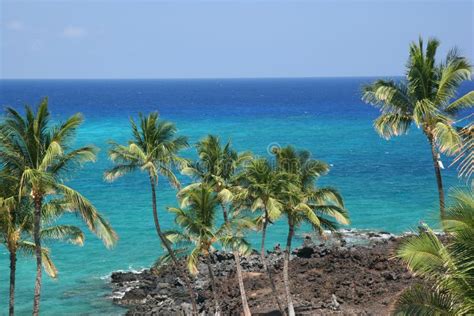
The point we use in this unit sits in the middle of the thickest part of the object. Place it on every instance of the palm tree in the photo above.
(322, 208)
(424, 98)
(16, 224)
(199, 231)
(9, 235)
(11, 222)
(264, 187)
(39, 153)
(217, 167)
(153, 149)
(447, 268)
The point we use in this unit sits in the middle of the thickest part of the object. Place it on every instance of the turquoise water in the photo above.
(387, 185)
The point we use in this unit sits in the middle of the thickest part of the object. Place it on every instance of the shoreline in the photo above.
(353, 274)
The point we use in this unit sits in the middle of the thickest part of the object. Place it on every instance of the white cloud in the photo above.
(73, 32)
(15, 25)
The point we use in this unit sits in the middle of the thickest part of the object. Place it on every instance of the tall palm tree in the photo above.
(424, 97)
(39, 153)
(217, 167)
(12, 220)
(16, 225)
(264, 186)
(9, 233)
(200, 233)
(322, 208)
(447, 268)
(153, 149)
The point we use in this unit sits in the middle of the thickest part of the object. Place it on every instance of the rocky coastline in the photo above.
(353, 274)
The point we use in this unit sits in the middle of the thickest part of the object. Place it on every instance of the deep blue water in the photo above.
(387, 185)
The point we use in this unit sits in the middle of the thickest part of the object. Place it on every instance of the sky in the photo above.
(223, 39)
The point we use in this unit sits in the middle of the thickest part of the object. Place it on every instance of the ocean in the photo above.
(386, 185)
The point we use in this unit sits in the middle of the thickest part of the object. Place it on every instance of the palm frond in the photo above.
(309, 215)
(91, 217)
(447, 138)
(464, 102)
(236, 243)
(389, 125)
(452, 73)
(53, 152)
(69, 233)
(325, 195)
(389, 96)
(425, 111)
(448, 288)
(28, 248)
(338, 213)
(424, 254)
(118, 171)
(168, 173)
(192, 261)
(274, 208)
(423, 301)
(64, 133)
(465, 157)
(460, 214)
(74, 159)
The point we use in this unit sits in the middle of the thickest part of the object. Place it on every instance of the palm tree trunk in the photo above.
(213, 284)
(245, 304)
(291, 309)
(165, 242)
(38, 199)
(11, 310)
(265, 266)
(439, 179)
(240, 277)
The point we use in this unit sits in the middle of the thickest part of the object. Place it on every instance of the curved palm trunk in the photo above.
(214, 287)
(165, 242)
(265, 265)
(36, 235)
(439, 179)
(291, 231)
(240, 277)
(11, 310)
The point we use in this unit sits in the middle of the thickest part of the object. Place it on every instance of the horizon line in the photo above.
(205, 78)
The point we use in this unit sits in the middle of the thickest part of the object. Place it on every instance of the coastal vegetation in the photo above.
(17, 227)
(37, 156)
(263, 187)
(200, 232)
(15, 223)
(322, 208)
(154, 149)
(447, 267)
(217, 167)
(229, 194)
(427, 98)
